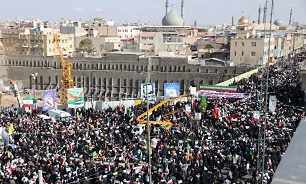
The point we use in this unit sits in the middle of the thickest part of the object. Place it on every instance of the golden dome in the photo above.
(243, 21)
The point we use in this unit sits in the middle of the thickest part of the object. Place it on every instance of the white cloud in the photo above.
(78, 9)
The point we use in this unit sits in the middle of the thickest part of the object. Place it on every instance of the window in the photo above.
(235, 53)
(253, 44)
(236, 44)
(242, 53)
(242, 43)
(253, 53)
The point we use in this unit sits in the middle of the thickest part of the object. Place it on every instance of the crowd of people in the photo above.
(102, 147)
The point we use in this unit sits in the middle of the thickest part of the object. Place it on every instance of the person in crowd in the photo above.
(102, 147)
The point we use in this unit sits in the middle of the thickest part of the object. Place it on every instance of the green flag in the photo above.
(203, 104)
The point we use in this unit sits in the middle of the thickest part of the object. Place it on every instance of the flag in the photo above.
(256, 115)
(28, 102)
(188, 109)
(11, 128)
(232, 117)
(203, 104)
(215, 112)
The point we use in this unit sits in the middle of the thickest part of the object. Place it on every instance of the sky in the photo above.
(150, 12)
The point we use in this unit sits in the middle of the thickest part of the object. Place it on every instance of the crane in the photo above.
(142, 118)
(67, 81)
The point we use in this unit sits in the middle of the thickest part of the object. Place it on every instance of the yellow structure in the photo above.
(142, 118)
(67, 81)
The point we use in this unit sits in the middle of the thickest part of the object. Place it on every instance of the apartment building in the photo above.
(31, 41)
(150, 42)
(249, 50)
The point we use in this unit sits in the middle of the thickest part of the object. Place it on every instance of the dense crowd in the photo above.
(101, 146)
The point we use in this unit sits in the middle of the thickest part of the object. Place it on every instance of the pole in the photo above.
(40, 178)
(91, 90)
(148, 123)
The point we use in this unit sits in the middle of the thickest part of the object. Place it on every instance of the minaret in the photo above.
(167, 6)
(264, 13)
(290, 16)
(182, 8)
(259, 12)
(232, 20)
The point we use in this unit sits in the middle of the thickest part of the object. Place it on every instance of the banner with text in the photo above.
(171, 89)
(208, 94)
(48, 97)
(151, 91)
(75, 97)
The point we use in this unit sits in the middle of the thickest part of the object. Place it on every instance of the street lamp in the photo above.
(34, 75)
(148, 128)
(148, 120)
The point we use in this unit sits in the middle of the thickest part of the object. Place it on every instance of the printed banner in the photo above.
(272, 103)
(171, 89)
(151, 91)
(208, 94)
(75, 97)
(48, 97)
(231, 89)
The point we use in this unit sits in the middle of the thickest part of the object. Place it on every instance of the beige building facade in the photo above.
(248, 51)
(33, 42)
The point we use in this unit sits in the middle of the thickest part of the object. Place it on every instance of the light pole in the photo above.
(148, 128)
(34, 75)
(148, 73)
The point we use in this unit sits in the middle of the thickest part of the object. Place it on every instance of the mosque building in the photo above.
(171, 35)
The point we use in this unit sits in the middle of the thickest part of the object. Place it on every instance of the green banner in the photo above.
(75, 97)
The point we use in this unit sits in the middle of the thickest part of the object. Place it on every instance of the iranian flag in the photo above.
(256, 115)
(231, 89)
(28, 102)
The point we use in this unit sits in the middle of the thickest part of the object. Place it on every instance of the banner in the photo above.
(75, 97)
(230, 89)
(208, 94)
(48, 98)
(272, 103)
(151, 91)
(171, 89)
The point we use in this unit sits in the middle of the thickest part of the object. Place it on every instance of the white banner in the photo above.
(272, 103)
(208, 94)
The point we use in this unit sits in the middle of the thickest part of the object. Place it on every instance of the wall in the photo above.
(117, 75)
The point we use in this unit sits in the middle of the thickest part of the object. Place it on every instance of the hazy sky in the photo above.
(205, 12)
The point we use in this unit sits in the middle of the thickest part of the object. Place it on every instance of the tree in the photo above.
(86, 46)
(208, 46)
